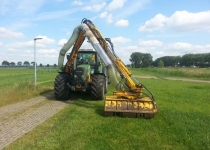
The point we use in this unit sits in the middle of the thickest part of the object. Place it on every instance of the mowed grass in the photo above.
(193, 73)
(182, 122)
(18, 84)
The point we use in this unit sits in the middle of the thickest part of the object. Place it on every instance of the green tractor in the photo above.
(86, 74)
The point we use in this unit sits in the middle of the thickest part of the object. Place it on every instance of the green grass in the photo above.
(193, 73)
(182, 122)
(18, 84)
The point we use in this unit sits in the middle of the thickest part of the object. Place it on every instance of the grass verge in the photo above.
(18, 84)
(193, 73)
(182, 123)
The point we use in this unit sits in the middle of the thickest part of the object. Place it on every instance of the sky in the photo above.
(159, 27)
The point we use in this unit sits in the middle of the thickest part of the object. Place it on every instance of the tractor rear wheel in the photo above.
(98, 87)
(61, 90)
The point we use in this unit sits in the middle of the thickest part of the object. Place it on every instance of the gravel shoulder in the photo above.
(20, 118)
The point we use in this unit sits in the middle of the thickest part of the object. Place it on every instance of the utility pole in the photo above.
(35, 59)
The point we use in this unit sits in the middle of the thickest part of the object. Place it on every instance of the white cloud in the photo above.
(122, 23)
(120, 40)
(179, 21)
(109, 18)
(19, 45)
(184, 48)
(159, 54)
(30, 44)
(150, 43)
(47, 51)
(179, 46)
(186, 21)
(132, 49)
(153, 24)
(21, 6)
(54, 14)
(132, 7)
(115, 4)
(28, 51)
(95, 7)
(11, 50)
(45, 40)
(77, 2)
(118, 9)
(1, 44)
(5, 33)
(27, 7)
(86, 45)
(61, 42)
(103, 15)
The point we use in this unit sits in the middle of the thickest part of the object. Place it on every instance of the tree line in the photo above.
(25, 63)
(138, 60)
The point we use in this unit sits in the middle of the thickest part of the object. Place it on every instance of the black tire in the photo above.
(61, 90)
(106, 85)
(98, 87)
(104, 71)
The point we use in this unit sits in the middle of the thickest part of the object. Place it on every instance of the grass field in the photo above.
(18, 84)
(193, 73)
(182, 121)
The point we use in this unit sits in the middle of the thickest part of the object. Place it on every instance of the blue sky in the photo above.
(158, 27)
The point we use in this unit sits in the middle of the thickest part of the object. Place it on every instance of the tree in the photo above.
(146, 60)
(55, 65)
(160, 64)
(12, 64)
(168, 61)
(19, 63)
(48, 65)
(41, 65)
(135, 59)
(5, 63)
(140, 59)
(26, 63)
(33, 63)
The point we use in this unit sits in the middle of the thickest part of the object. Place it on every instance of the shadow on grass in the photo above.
(99, 109)
(81, 99)
(46, 92)
(84, 100)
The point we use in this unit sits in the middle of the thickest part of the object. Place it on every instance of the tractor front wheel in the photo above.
(98, 87)
(61, 90)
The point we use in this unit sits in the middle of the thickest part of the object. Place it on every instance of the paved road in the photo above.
(20, 118)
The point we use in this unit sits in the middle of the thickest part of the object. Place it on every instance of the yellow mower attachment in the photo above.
(130, 108)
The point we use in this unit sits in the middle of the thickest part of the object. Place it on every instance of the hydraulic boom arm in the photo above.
(129, 97)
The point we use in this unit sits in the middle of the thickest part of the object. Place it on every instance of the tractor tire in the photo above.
(106, 85)
(104, 71)
(98, 87)
(61, 90)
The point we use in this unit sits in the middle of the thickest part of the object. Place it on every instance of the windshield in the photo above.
(86, 58)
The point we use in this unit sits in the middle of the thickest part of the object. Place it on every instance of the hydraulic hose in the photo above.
(96, 45)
